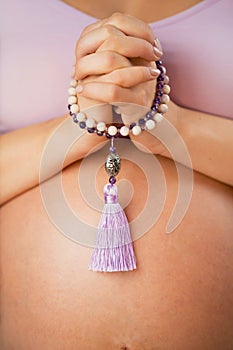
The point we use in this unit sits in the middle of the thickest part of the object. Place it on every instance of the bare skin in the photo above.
(179, 298)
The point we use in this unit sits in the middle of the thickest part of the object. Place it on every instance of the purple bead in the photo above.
(69, 106)
(112, 180)
(132, 125)
(157, 100)
(154, 108)
(99, 133)
(160, 78)
(158, 63)
(148, 115)
(112, 149)
(141, 121)
(82, 125)
(75, 119)
(160, 68)
(91, 130)
(159, 85)
(108, 136)
(159, 93)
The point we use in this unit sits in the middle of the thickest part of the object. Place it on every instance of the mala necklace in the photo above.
(114, 248)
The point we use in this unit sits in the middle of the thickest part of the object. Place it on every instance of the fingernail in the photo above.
(155, 72)
(79, 89)
(157, 52)
(157, 43)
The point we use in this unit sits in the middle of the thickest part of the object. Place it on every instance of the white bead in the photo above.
(72, 91)
(74, 108)
(112, 130)
(90, 123)
(158, 117)
(73, 83)
(72, 100)
(164, 70)
(165, 99)
(124, 130)
(101, 126)
(166, 89)
(136, 130)
(81, 117)
(166, 79)
(150, 124)
(163, 108)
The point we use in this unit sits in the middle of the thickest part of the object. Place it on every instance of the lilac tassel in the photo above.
(114, 248)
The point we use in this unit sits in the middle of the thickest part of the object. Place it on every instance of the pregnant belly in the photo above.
(180, 297)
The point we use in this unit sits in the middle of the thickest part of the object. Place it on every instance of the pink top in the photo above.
(38, 40)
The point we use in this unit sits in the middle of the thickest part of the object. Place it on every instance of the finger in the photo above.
(127, 77)
(100, 63)
(131, 47)
(110, 93)
(129, 25)
(109, 38)
(92, 39)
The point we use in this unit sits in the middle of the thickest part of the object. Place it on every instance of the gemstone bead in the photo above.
(158, 117)
(72, 91)
(141, 121)
(163, 108)
(74, 108)
(90, 123)
(81, 117)
(150, 124)
(72, 100)
(124, 131)
(112, 130)
(73, 83)
(165, 98)
(112, 180)
(166, 89)
(160, 78)
(82, 125)
(101, 126)
(166, 79)
(99, 133)
(136, 130)
(132, 125)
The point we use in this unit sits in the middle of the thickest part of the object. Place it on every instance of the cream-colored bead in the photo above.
(150, 124)
(166, 79)
(101, 126)
(124, 130)
(72, 100)
(112, 130)
(163, 108)
(90, 123)
(81, 117)
(74, 108)
(136, 130)
(165, 99)
(72, 91)
(164, 70)
(166, 89)
(73, 83)
(158, 117)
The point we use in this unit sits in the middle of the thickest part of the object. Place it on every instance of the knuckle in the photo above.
(112, 93)
(117, 17)
(109, 30)
(109, 59)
